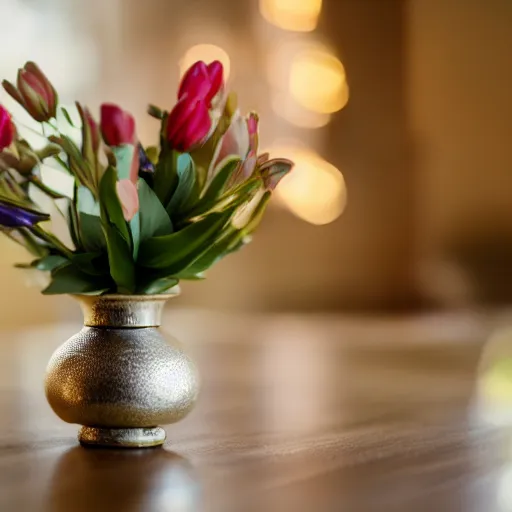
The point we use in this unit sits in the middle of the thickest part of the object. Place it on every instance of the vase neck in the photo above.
(122, 311)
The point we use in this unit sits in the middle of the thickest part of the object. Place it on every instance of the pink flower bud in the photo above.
(188, 123)
(7, 130)
(202, 81)
(128, 197)
(236, 140)
(117, 125)
(34, 92)
(252, 128)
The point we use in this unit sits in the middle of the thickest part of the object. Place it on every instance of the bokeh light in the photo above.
(315, 190)
(206, 53)
(495, 382)
(296, 15)
(317, 81)
(287, 108)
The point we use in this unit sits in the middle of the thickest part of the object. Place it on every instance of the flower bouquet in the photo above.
(140, 219)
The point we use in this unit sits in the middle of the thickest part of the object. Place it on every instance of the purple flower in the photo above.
(145, 164)
(12, 215)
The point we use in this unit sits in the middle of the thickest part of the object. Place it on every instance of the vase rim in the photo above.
(128, 297)
(123, 311)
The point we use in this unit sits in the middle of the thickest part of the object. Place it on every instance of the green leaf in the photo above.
(214, 253)
(166, 251)
(257, 214)
(185, 275)
(166, 176)
(232, 198)
(91, 233)
(85, 201)
(25, 238)
(160, 285)
(77, 165)
(111, 210)
(135, 232)
(243, 241)
(219, 181)
(152, 153)
(69, 279)
(48, 263)
(117, 234)
(74, 224)
(154, 220)
(67, 116)
(120, 259)
(183, 195)
(94, 263)
(155, 111)
(124, 159)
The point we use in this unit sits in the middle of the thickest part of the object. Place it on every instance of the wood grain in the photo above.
(315, 413)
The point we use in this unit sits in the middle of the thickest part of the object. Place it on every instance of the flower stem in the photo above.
(51, 125)
(52, 240)
(44, 188)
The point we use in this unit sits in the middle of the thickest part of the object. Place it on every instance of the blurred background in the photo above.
(397, 113)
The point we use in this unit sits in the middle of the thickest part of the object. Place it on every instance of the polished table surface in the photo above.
(299, 413)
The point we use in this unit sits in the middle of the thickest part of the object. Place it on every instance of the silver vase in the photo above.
(119, 377)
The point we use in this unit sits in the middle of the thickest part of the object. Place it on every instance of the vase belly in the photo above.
(121, 378)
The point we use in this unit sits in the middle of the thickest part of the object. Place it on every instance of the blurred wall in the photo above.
(423, 143)
(460, 83)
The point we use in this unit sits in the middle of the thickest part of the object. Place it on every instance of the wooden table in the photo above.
(316, 413)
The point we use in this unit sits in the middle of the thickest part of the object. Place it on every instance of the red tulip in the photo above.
(6, 128)
(34, 92)
(188, 123)
(117, 125)
(202, 81)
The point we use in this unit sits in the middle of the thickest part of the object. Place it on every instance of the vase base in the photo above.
(122, 437)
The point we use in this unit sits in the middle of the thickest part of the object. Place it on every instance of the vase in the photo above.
(119, 377)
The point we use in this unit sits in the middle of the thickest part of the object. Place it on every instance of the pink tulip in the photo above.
(188, 123)
(202, 81)
(252, 128)
(128, 197)
(241, 140)
(7, 130)
(236, 140)
(34, 92)
(117, 125)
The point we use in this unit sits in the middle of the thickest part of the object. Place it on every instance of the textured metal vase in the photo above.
(119, 377)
